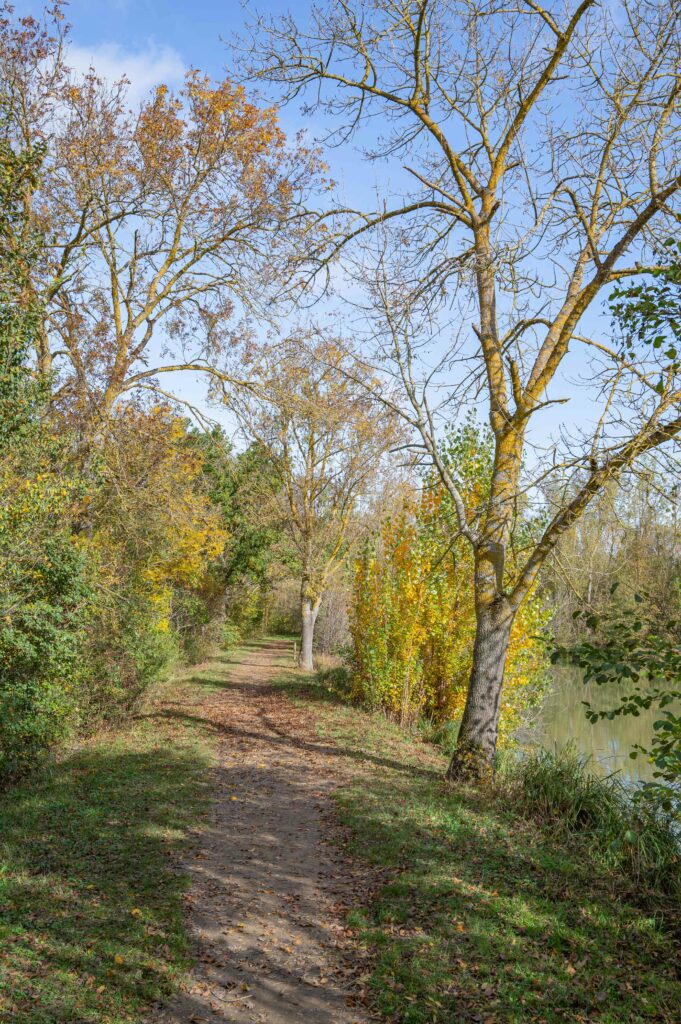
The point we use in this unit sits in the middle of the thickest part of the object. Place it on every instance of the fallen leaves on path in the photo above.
(270, 880)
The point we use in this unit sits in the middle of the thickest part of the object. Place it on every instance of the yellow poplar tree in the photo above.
(413, 616)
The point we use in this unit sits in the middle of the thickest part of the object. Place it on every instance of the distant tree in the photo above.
(325, 440)
(255, 552)
(631, 535)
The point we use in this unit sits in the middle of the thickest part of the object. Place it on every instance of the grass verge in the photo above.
(634, 837)
(483, 915)
(91, 926)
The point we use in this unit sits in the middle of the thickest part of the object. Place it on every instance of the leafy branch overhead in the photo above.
(648, 312)
(634, 647)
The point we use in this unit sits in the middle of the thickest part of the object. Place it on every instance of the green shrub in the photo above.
(122, 664)
(198, 624)
(338, 680)
(637, 647)
(441, 734)
(42, 670)
(230, 635)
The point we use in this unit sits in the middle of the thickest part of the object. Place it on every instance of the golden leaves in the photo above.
(413, 617)
(154, 520)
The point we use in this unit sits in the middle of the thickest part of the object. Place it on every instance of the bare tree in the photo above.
(310, 411)
(538, 152)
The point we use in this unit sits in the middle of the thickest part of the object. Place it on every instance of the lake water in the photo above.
(561, 720)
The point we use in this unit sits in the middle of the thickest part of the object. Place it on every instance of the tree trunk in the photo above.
(477, 741)
(309, 615)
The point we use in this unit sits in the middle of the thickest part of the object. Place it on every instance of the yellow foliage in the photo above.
(413, 622)
(155, 528)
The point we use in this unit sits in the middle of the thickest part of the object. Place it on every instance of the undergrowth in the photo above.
(561, 792)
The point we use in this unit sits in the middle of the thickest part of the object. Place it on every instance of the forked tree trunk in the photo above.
(476, 745)
(309, 611)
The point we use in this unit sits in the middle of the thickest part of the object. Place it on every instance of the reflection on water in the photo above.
(562, 720)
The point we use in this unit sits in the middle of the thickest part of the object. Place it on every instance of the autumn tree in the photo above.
(325, 440)
(167, 225)
(539, 165)
(254, 558)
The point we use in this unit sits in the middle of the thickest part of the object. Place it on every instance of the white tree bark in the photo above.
(309, 611)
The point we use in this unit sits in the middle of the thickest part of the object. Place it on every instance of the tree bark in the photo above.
(309, 611)
(476, 745)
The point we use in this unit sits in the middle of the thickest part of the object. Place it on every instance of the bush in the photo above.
(636, 646)
(106, 576)
(558, 790)
(42, 642)
(197, 621)
(412, 618)
(442, 734)
(126, 653)
(336, 680)
(230, 635)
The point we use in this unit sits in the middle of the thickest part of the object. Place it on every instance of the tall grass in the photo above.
(632, 836)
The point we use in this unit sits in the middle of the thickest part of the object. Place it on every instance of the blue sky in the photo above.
(152, 41)
(156, 40)
(191, 27)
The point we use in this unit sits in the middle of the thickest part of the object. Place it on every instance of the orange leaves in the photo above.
(212, 129)
(325, 441)
(158, 135)
(222, 114)
(162, 221)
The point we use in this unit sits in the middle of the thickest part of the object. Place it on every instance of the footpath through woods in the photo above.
(268, 885)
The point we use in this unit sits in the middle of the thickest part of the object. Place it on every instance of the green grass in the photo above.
(635, 837)
(481, 915)
(91, 926)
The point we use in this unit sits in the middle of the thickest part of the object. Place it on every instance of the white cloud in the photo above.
(144, 68)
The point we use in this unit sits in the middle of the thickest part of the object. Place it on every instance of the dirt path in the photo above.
(266, 883)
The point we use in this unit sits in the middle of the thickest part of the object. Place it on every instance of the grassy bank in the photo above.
(483, 915)
(90, 907)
